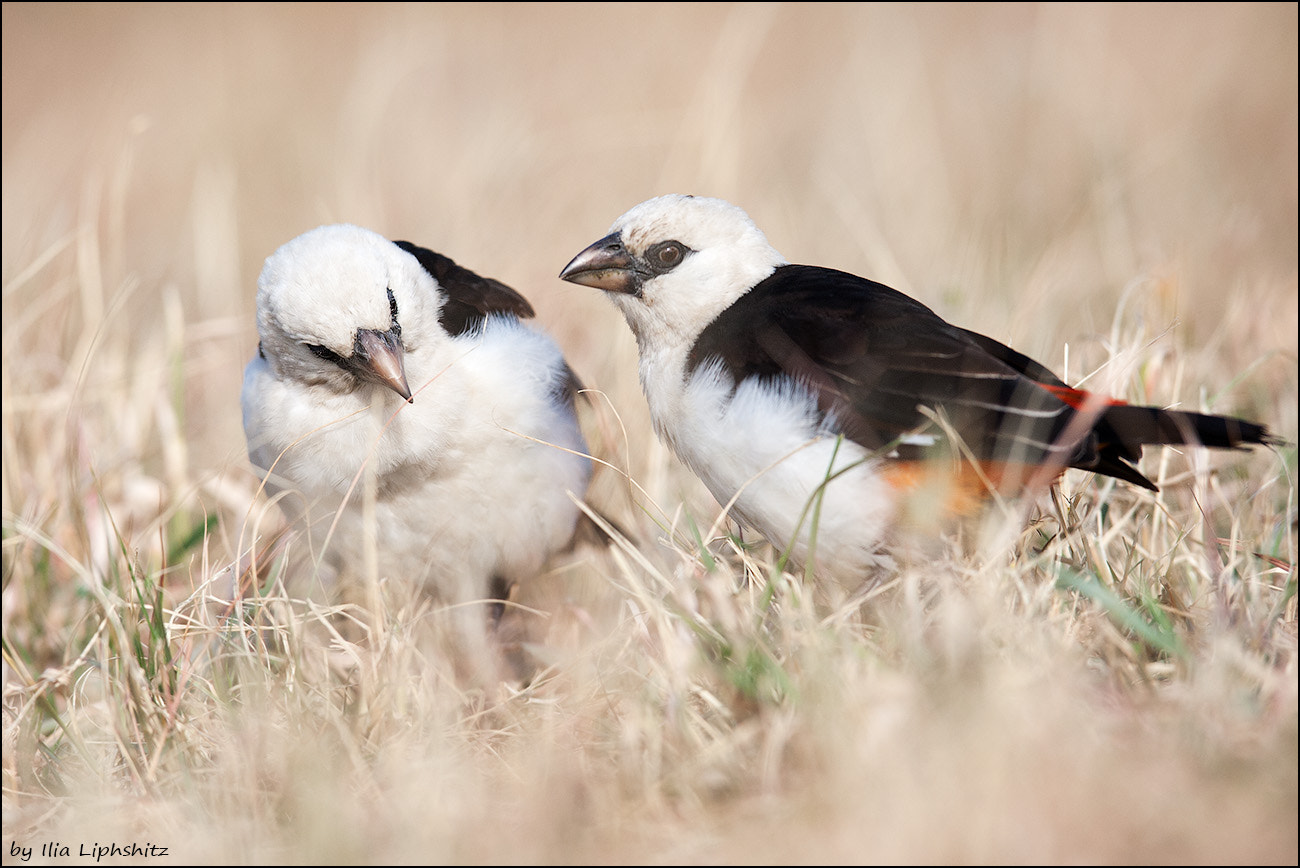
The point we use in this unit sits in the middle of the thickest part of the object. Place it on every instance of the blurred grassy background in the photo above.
(1099, 176)
(1015, 166)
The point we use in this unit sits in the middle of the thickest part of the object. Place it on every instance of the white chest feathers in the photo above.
(763, 450)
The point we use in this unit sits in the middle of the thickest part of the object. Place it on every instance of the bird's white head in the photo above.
(673, 263)
(340, 306)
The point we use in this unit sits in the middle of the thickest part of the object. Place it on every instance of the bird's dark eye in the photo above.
(666, 255)
(325, 353)
(392, 308)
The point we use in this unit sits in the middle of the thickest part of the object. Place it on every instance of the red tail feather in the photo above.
(1076, 398)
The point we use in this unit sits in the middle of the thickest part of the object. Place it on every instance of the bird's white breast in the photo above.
(468, 481)
(793, 478)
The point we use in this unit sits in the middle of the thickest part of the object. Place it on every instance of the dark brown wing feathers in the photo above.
(470, 297)
(876, 357)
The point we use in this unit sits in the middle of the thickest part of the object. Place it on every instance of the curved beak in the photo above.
(377, 357)
(605, 265)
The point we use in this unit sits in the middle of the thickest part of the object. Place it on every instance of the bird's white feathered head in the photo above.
(328, 296)
(325, 284)
(673, 263)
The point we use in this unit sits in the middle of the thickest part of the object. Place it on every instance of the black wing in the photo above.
(881, 362)
(470, 297)
(876, 359)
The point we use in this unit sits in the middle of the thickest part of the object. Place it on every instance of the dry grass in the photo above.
(1107, 676)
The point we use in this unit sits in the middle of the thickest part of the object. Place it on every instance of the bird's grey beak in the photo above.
(605, 265)
(377, 357)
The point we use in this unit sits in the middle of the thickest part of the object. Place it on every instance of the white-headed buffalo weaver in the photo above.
(810, 400)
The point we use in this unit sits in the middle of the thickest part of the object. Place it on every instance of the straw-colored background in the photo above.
(1015, 166)
(1103, 177)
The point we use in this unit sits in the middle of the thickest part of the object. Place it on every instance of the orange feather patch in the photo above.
(961, 489)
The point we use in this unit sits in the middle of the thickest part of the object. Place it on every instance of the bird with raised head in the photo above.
(814, 402)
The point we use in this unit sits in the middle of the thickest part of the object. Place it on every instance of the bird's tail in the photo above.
(1114, 443)
(1135, 426)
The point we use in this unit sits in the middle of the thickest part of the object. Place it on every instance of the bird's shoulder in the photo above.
(875, 359)
(802, 314)
(469, 297)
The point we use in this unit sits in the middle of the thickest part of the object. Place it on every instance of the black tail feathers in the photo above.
(1117, 439)
(1133, 427)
